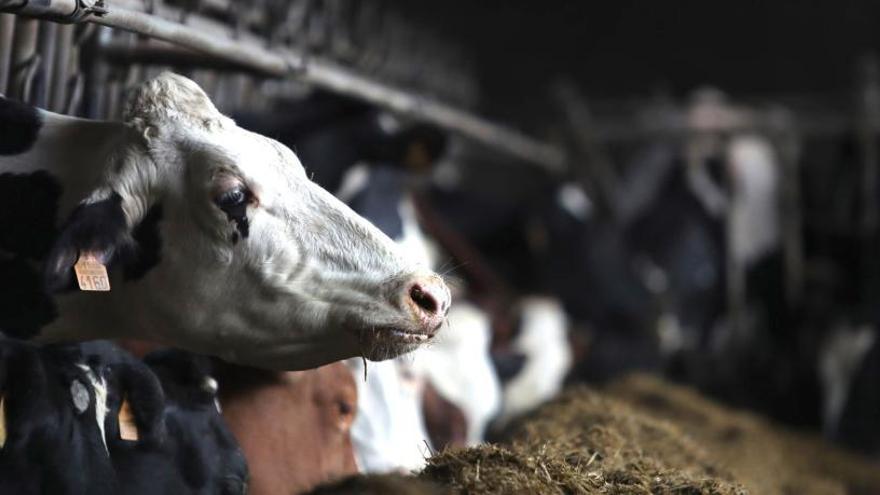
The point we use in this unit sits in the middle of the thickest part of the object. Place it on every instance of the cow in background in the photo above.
(543, 342)
(374, 161)
(90, 418)
(459, 368)
(549, 241)
(53, 419)
(191, 449)
(293, 427)
(857, 411)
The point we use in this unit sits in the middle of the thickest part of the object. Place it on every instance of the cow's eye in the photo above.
(231, 198)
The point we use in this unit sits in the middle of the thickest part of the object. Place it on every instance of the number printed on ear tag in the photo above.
(91, 274)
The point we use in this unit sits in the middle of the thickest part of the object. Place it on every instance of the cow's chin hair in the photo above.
(380, 344)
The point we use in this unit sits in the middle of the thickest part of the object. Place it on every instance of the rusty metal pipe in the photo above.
(7, 31)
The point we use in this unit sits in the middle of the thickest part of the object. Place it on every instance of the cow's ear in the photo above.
(96, 227)
(142, 391)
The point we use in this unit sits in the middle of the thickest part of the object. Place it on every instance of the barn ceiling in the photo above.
(635, 47)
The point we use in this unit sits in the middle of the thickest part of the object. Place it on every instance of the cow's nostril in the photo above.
(423, 299)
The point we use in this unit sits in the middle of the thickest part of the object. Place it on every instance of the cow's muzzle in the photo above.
(427, 298)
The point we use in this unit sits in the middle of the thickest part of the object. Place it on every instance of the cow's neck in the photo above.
(73, 152)
(39, 186)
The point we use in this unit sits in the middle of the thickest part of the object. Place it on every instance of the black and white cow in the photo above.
(331, 134)
(66, 430)
(53, 422)
(216, 240)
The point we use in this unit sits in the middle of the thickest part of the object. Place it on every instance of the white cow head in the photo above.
(256, 263)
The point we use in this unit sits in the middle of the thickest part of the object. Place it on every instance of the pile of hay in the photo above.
(583, 442)
(640, 436)
(765, 457)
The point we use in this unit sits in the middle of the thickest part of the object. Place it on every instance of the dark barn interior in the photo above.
(487, 247)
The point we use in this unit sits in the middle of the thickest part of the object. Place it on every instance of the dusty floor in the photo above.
(640, 436)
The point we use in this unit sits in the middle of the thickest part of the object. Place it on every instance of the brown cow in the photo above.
(293, 426)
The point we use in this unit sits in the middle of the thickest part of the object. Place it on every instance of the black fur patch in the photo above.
(183, 375)
(52, 446)
(19, 125)
(28, 211)
(24, 306)
(148, 249)
(101, 227)
(508, 365)
(200, 454)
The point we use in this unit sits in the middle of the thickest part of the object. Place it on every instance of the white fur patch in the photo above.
(841, 357)
(575, 201)
(388, 433)
(353, 182)
(544, 341)
(99, 385)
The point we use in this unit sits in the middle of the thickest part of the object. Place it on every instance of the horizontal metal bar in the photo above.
(246, 50)
(153, 52)
(343, 81)
(65, 11)
(235, 51)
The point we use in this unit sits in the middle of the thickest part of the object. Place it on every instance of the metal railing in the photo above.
(204, 42)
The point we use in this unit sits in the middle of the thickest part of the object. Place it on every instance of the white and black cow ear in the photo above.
(96, 227)
(170, 98)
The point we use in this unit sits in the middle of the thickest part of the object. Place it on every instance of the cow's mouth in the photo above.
(409, 337)
(380, 343)
(402, 335)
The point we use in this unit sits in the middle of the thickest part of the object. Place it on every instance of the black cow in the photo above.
(63, 411)
(53, 423)
(192, 451)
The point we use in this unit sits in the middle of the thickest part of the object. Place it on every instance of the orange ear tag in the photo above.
(2, 422)
(127, 427)
(91, 273)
